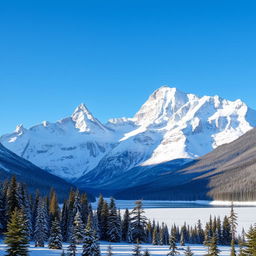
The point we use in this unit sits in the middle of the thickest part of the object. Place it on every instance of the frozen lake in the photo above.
(189, 212)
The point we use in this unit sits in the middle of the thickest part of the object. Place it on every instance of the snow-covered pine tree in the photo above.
(95, 224)
(114, 223)
(129, 235)
(16, 236)
(72, 247)
(35, 202)
(173, 247)
(125, 224)
(12, 197)
(77, 202)
(55, 239)
(138, 222)
(41, 225)
(90, 244)
(25, 206)
(78, 230)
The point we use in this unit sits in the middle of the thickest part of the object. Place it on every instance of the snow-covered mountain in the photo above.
(31, 175)
(170, 125)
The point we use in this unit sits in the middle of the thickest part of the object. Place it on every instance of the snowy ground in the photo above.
(120, 249)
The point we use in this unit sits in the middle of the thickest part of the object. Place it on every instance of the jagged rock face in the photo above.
(170, 125)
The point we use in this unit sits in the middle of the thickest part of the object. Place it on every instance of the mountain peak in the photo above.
(20, 129)
(161, 104)
(84, 120)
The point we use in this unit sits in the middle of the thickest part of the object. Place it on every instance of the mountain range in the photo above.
(226, 173)
(169, 131)
(34, 177)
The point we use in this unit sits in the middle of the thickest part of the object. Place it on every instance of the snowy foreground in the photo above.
(122, 249)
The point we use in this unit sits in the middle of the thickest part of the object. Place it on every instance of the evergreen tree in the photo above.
(104, 221)
(125, 224)
(78, 230)
(53, 206)
(138, 222)
(90, 245)
(173, 247)
(35, 202)
(84, 208)
(70, 215)
(99, 213)
(12, 197)
(55, 240)
(114, 224)
(129, 235)
(213, 248)
(16, 236)
(137, 250)
(219, 231)
(72, 247)
(41, 226)
(207, 237)
(250, 244)
(155, 237)
(200, 232)
(188, 252)
(64, 221)
(226, 231)
(233, 224)
(182, 241)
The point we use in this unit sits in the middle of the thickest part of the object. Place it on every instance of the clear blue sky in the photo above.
(112, 55)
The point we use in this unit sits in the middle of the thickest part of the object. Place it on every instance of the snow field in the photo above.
(120, 249)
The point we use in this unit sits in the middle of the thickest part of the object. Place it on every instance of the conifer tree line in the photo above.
(39, 219)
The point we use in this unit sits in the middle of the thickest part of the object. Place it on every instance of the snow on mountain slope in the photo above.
(171, 124)
(66, 148)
